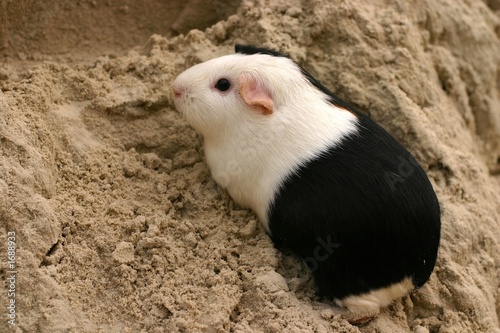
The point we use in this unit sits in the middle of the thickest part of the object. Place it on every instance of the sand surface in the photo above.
(118, 224)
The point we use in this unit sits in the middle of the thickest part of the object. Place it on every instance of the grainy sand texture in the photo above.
(118, 224)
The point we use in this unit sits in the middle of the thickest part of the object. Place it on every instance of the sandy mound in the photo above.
(118, 224)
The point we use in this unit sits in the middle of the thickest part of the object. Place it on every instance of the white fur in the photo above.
(369, 304)
(251, 154)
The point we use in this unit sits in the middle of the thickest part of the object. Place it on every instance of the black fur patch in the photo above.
(250, 49)
(363, 215)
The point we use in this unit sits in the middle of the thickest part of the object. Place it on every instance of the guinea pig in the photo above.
(325, 180)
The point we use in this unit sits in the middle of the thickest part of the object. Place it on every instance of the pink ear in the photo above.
(254, 93)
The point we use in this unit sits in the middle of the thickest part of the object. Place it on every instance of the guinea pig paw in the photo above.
(360, 318)
(331, 310)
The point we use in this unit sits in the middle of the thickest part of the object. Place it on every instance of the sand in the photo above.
(118, 224)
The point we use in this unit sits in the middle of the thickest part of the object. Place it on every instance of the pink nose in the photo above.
(178, 90)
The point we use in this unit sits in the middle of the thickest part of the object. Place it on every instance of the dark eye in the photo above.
(223, 84)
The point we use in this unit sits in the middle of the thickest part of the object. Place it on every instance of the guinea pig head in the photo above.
(223, 93)
(233, 91)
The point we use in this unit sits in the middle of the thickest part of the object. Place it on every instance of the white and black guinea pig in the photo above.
(325, 180)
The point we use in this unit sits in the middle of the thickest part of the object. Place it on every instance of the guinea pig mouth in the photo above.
(179, 105)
